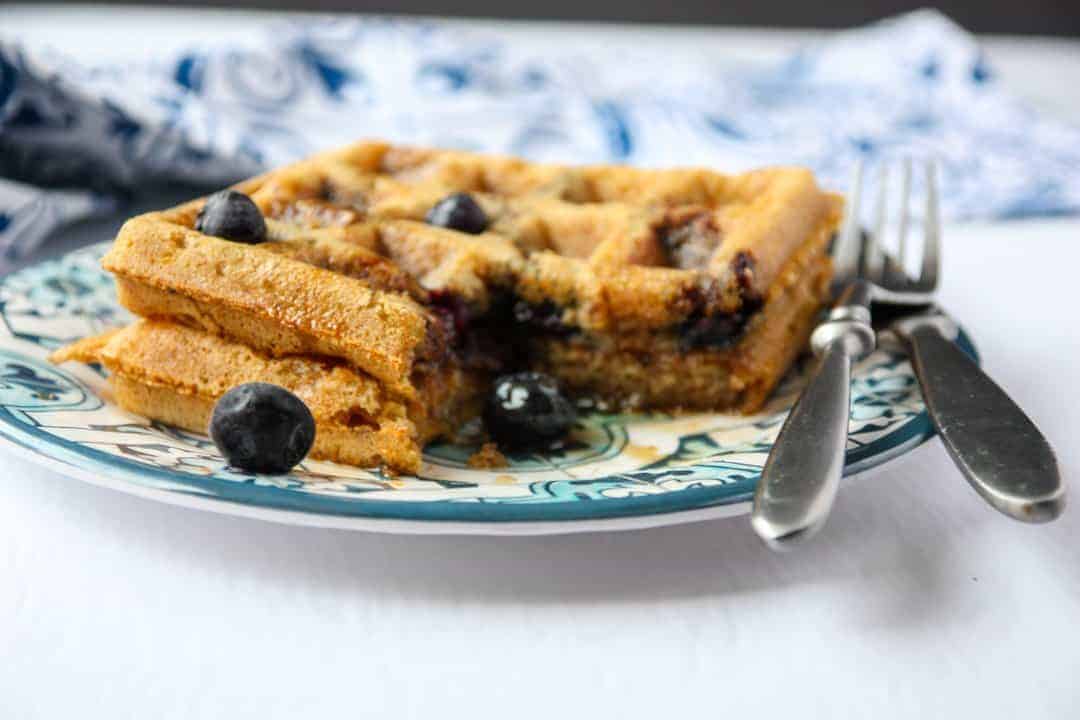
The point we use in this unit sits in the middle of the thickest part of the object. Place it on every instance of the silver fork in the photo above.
(997, 447)
(800, 479)
(1000, 451)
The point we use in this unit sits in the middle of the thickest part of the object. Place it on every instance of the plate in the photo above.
(618, 471)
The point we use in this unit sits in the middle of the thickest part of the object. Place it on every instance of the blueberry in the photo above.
(459, 212)
(713, 331)
(232, 215)
(526, 411)
(262, 428)
(719, 330)
(545, 316)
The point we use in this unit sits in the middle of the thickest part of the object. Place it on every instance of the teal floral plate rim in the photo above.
(653, 467)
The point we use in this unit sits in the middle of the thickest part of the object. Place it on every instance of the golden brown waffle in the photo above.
(647, 288)
(175, 374)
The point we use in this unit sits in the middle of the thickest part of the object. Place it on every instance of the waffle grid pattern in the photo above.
(610, 248)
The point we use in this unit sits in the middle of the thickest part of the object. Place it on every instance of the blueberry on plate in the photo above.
(263, 428)
(232, 215)
(526, 411)
(459, 212)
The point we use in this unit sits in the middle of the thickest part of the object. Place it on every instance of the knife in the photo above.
(997, 447)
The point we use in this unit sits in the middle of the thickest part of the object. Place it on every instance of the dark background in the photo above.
(1048, 17)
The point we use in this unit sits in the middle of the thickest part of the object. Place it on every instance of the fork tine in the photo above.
(931, 259)
(905, 194)
(873, 255)
(848, 243)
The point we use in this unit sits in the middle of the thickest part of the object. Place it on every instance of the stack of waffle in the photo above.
(657, 289)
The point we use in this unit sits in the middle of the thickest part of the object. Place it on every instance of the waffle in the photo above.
(668, 289)
(175, 374)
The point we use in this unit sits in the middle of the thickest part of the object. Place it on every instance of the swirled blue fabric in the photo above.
(76, 138)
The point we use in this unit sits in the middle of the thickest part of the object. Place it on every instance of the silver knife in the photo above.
(997, 447)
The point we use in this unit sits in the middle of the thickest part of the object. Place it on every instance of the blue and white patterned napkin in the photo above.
(916, 84)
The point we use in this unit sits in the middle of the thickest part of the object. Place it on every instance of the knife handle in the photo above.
(799, 481)
(997, 447)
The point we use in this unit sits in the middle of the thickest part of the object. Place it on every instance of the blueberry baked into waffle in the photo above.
(388, 286)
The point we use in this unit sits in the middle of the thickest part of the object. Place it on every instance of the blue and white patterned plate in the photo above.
(619, 471)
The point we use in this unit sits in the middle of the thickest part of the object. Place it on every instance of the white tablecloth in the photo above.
(917, 600)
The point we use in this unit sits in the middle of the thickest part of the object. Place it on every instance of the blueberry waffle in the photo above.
(413, 276)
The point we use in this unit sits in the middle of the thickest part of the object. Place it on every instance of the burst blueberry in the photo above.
(459, 212)
(232, 215)
(263, 428)
(526, 411)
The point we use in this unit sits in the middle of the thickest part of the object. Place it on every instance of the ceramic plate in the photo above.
(619, 471)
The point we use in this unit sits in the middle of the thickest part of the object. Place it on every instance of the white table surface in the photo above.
(917, 600)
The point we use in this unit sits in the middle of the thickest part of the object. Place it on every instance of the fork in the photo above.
(802, 474)
(996, 446)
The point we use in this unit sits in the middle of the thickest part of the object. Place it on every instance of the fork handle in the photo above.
(997, 447)
(802, 474)
(799, 481)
